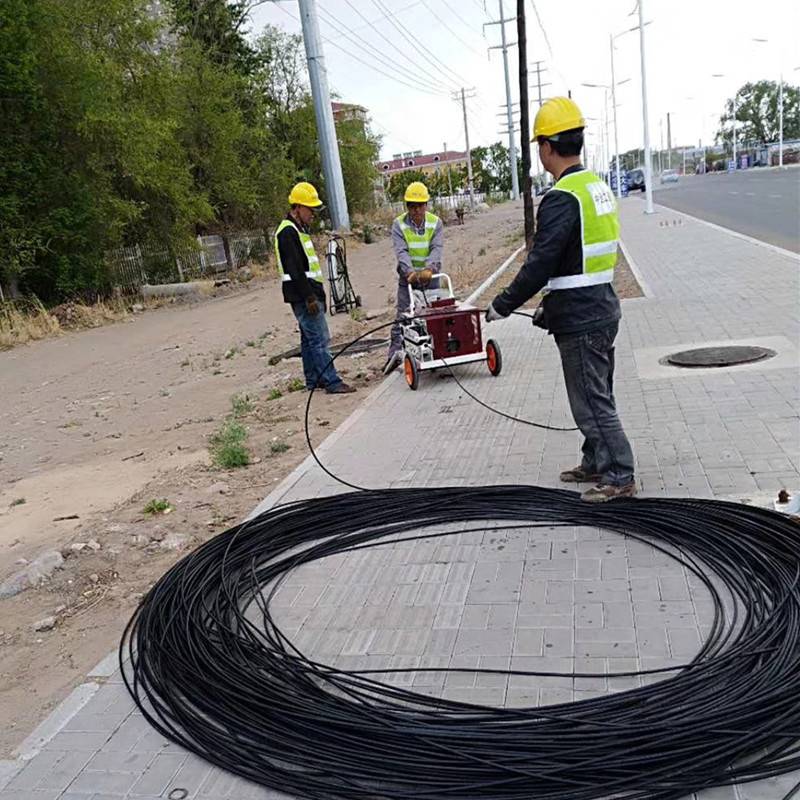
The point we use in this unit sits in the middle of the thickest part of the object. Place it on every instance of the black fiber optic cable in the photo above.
(212, 670)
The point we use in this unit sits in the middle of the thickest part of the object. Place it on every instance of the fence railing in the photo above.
(452, 202)
(132, 267)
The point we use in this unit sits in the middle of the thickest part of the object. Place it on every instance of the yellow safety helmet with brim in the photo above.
(304, 194)
(416, 192)
(557, 115)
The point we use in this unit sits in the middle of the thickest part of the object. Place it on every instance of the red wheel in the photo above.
(411, 371)
(494, 359)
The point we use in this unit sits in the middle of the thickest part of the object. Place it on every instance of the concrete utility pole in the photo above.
(539, 84)
(524, 125)
(669, 140)
(326, 128)
(463, 96)
(648, 166)
(614, 106)
(512, 147)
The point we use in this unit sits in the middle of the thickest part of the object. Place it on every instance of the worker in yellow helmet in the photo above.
(573, 257)
(304, 289)
(418, 240)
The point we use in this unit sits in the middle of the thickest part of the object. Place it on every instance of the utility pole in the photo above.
(669, 141)
(648, 166)
(780, 121)
(326, 128)
(524, 125)
(539, 84)
(449, 177)
(512, 147)
(614, 104)
(464, 97)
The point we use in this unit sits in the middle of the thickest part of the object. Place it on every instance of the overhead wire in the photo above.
(420, 72)
(414, 40)
(447, 27)
(360, 60)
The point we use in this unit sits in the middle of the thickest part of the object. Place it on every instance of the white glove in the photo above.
(492, 314)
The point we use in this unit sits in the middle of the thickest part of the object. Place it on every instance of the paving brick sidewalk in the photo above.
(567, 600)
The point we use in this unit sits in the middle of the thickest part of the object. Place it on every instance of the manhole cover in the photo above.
(719, 356)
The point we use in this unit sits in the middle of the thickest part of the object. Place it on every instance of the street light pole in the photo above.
(780, 121)
(648, 167)
(614, 105)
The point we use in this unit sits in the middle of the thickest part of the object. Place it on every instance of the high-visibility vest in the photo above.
(314, 271)
(419, 244)
(599, 230)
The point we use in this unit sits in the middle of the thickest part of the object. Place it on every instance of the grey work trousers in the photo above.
(588, 363)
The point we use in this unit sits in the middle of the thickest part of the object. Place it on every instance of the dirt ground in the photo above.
(96, 424)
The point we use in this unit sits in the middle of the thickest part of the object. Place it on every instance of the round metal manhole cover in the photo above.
(728, 356)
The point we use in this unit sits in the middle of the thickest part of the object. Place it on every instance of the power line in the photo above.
(433, 77)
(448, 28)
(361, 61)
(338, 26)
(413, 40)
(374, 22)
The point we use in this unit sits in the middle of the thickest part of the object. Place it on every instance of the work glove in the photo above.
(312, 306)
(538, 318)
(493, 314)
(424, 276)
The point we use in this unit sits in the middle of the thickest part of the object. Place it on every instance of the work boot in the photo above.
(340, 388)
(579, 475)
(604, 492)
(392, 362)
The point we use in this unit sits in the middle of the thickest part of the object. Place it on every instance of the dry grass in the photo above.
(25, 321)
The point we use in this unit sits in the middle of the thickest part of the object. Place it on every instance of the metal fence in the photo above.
(214, 256)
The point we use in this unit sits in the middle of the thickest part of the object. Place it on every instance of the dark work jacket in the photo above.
(557, 250)
(295, 264)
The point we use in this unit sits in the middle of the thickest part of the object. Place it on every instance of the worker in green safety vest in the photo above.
(418, 240)
(303, 287)
(572, 259)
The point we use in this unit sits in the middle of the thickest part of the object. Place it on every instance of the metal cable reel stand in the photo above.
(343, 296)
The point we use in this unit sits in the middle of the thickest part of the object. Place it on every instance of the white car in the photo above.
(669, 176)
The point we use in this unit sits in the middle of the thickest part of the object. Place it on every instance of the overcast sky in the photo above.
(403, 73)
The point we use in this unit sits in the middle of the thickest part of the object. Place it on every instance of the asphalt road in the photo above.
(762, 203)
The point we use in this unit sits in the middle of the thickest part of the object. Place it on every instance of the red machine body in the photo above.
(455, 330)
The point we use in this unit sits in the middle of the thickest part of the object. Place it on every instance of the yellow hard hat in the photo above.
(304, 194)
(416, 192)
(556, 115)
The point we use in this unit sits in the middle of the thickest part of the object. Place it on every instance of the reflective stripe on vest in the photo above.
(599, 230)
(419, 244)
(314, 271)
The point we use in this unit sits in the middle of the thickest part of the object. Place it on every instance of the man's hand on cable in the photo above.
(493, 314)
(312, 305)
(537, 318)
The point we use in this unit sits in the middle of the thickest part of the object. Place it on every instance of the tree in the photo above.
(757, 114)
(398, 183)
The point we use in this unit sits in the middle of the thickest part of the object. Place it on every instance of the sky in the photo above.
(403, 60)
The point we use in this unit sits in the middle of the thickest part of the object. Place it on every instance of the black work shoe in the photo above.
(340, 388)
(579, 475)
(604, 492)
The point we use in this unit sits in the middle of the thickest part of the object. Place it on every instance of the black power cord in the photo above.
(212, 670)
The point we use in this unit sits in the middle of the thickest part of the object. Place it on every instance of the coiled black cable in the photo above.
(211, 669)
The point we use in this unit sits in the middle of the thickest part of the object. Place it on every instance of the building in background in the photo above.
(430, 163)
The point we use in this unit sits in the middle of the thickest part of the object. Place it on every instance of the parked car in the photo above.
(636, 180)
(669, 176)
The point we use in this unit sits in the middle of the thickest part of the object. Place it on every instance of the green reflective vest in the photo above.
(599, 230)
(419, 244)
(314, 271)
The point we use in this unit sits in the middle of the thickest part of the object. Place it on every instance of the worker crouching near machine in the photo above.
(418, 241)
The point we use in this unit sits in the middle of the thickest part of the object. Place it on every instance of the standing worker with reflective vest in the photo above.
(573, 257)
(418, 240)
(304, 289)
